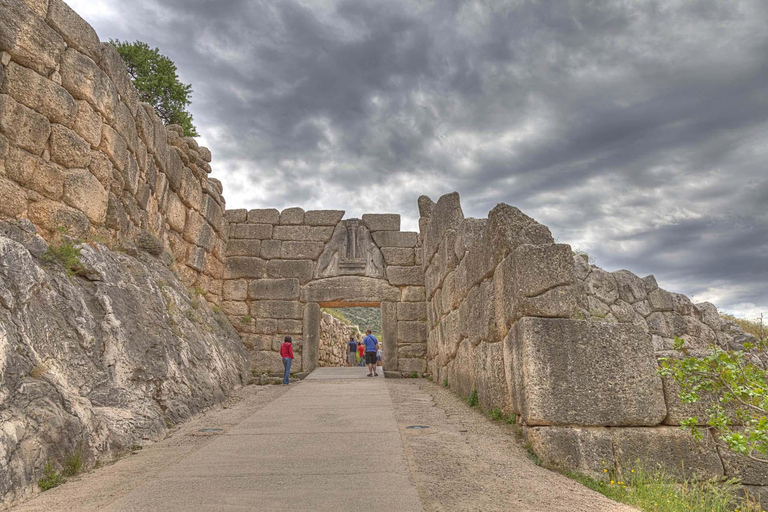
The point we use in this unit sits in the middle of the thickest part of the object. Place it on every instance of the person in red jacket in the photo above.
(286, 352)
(361, 354)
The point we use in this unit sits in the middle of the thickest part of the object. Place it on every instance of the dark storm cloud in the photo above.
(635, 130)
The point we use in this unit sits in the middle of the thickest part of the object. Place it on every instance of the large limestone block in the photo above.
(389, 334)
(235, 290)
(479, 262)
(86, 81)
(574, 372)
(411, 365)
(402, 256)
(68, 149)
(51, 215)
(631, 288)
(395, 238)
(243, 247)
(411, 331)
(115, 147)
(413, 294)
(267, 361)
(83, 191)
(191, 192)
(13, 199)
(35, 173)
(74, 29)
(470, 230)
(748, 471)
(587, 451)
(446, 214)
(602, 285)
(87, 124)
(277, 309)
(382, 221)
(28, 39)
(660, 300)
(237, 216)
(40, 94)
(252, 231)
(415, 351)
(323, 217)
(300, 269)
(311, 334)
(196, 258)
(509, 228)
(197, 231)
(291, 250)
(115, 68)
(176, 213)
(271, 249)
(274, 289)
(666, 325)
(303, 233)
(404, 276)
(349, 289)
(292, 216)
(23, 126)
(412, 311)
(262, 216)
(491, 380)
(244, 266)
(674, 449)
(461, 372)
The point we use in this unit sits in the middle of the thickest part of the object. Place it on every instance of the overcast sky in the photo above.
(636, 130)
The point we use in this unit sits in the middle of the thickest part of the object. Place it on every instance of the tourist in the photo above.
(360, 354)
(286, 352)
(351, 351)
(378, 357)
(371, 348)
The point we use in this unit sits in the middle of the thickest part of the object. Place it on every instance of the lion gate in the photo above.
(283, 267)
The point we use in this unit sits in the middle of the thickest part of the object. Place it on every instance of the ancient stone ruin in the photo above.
(137, 340)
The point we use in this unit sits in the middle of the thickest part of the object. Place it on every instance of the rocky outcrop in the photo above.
(334, 336)
(102, 362)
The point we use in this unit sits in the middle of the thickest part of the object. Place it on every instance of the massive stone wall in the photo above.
(569, 348)
(281, 267)
(78, 149)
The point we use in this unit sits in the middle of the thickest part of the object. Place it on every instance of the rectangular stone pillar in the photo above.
(311, 336)
(389, 335)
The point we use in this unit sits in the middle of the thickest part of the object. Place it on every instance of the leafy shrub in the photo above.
(738, 387)
(67, 254)
(51, 478)
(473, 399)
(73, 462)
(148, 242)
(445, 382)
(245, 319)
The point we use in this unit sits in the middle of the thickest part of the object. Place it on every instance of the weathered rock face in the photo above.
(334, 336)
(101, 363)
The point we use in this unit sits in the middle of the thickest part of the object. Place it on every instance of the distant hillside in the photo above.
(365, 318)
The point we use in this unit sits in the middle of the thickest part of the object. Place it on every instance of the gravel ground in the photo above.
(465, 461)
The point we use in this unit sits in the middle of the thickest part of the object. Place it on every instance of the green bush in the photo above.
(445, 382)
(245, 319)
(73, 462)
(67, 254)
(51, 478)
(473, 399)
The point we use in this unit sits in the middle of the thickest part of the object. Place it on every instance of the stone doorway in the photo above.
(338, 324)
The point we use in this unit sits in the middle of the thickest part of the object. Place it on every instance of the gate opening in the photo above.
(339, 325)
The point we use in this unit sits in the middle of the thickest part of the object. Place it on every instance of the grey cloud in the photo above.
(634, 130)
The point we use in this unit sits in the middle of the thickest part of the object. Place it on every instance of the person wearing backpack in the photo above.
(371, 346)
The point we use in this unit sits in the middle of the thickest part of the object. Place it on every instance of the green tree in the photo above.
(154, 75)
(736, 384)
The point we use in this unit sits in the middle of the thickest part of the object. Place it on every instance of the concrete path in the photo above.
(326, 444)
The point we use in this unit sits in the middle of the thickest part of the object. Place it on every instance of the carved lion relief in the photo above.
(351, 251)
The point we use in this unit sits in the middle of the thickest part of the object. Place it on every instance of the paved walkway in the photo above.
(327, 443)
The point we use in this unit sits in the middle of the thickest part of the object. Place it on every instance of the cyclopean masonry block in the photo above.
(574, 372)
(584, 450)
(382, 222)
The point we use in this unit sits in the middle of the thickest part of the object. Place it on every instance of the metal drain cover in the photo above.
(210, 430)
(417, 426)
